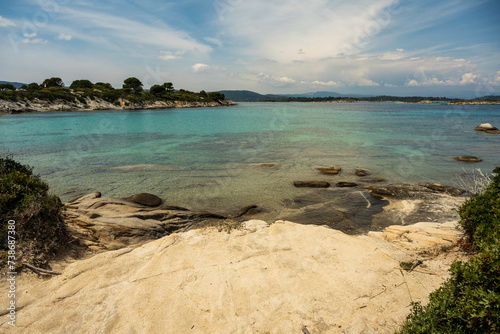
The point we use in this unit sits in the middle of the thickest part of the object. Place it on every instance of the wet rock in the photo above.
(346, 184)
(468, 158)
(311, 184)
(373, 180)
(265, 164)
(362, 172)
(488, 128)
(145, 199)
(334, 170)
(413, 191)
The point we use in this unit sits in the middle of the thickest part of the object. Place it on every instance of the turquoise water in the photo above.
(206, 158)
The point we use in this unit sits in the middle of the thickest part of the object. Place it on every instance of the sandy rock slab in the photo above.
(279, 278)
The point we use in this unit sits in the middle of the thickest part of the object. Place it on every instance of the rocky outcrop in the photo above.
(103, 223)
(487, 128)
(279, 278)
(468, 158)
(346, 184)
(37, 105)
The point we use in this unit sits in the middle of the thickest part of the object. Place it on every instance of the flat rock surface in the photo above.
(258, 279)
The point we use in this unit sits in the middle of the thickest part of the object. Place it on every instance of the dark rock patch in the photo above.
(346, 184)
(468, 158)
(311, 184)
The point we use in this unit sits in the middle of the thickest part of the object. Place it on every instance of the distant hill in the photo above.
(249, 96)
(16, 84)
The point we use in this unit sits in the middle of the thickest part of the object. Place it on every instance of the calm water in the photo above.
(205, 158)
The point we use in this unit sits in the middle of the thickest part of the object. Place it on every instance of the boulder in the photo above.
(311, 184)
(468, 158)
(488, 128)
(334, 170)
(145, 199)
(346, 184)
(414, 191)
(362, 172)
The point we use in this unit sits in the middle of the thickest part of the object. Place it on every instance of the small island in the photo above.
(51, 95)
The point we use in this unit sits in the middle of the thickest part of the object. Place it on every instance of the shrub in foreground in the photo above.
(469, 302)
(24, 198)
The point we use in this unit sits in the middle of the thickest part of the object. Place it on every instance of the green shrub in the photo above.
(469, 302)
(481, 214)
(24, 198)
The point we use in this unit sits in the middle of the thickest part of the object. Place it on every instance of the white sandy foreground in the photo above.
(282, 278)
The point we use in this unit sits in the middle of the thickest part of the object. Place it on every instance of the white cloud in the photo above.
(497, 79)
(323, 83)
(34, 41)
(286, 80)
(468, 78)
(412, 82)
(169, 55)
(200, 68)
(64, 37)
(30, 35)
(6, 22)
(400, 50)
(282, 30)
(112, 30)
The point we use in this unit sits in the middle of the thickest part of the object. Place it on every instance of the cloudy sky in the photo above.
(399, 47)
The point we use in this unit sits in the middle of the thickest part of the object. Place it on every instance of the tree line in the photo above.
(132, 89)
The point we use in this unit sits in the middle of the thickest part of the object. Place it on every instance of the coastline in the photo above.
(37, 105)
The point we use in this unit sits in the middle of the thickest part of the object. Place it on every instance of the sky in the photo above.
(394, 47)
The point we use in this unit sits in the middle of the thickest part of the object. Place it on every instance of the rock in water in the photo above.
(468, 158)
(334, 170)
(362, 172)
(311, 184)
(488, 128)
(346, 184)
(145, 199)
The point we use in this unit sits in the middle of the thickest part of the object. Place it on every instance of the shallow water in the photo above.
(208, 157)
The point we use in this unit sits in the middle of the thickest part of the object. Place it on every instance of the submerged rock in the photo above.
(414, 191)
(311, 184)
(145, 199)
(346, 184)
(468, 158)
(334, 170)
(488, 128)
(362, 172)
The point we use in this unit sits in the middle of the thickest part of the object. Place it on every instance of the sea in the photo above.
(222, 159)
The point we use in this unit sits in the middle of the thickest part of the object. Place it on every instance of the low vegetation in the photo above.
(53, 89)
(39, 228)
(469, 302)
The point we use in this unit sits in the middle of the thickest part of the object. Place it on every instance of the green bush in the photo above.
(469, 302)
(24, 198)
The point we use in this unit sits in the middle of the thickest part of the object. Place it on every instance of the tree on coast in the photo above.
(7, 87)
(157, 90)
(33, 86)
(133, 83)
(81, 84)
(169, 87)
(53, 82)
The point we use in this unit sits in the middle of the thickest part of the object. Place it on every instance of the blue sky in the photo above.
(413, 47)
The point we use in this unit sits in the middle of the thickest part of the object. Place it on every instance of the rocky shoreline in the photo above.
(37, 105)
(153, 267)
